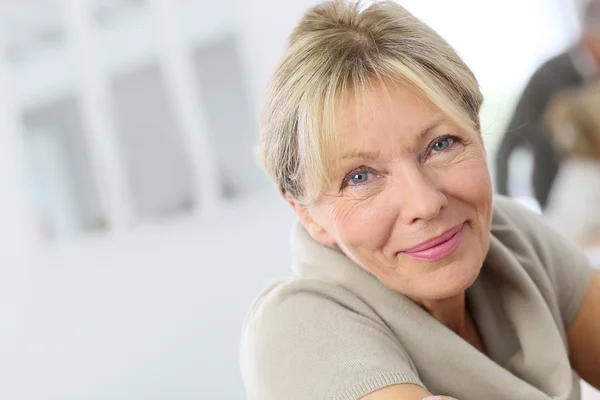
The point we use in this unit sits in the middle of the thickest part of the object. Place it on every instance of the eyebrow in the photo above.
(363, 155)
(373, 155)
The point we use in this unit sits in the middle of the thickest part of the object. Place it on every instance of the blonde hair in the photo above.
(573, 123)
(343, 48)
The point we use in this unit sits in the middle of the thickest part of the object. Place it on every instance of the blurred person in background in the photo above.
(573, 126)
(573, 68)
(409, 279)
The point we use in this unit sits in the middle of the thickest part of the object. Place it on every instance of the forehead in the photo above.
(382, 114)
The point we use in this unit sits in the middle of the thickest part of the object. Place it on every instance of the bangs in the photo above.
(319, 138)
(338, 53)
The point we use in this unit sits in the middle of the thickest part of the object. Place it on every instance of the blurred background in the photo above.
(135, 226)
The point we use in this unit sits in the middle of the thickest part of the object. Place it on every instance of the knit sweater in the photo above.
(333, 331)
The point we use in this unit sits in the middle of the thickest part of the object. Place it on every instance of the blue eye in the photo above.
(359, 178)
(442, 144)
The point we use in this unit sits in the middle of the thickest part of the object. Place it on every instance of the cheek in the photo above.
(469, 180)
(470, 183)
(473, 183)
(350, 218)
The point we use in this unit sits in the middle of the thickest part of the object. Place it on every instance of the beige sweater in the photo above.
(335, 332)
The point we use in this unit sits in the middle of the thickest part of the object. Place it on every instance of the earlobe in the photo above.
(312, 227)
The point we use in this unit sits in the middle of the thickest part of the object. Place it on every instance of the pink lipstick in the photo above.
(439, 247)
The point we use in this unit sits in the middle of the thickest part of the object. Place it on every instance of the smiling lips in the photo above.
(439, 247)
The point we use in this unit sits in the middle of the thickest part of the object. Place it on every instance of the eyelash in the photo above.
(356, 171)
(362, 169)
(454, 139)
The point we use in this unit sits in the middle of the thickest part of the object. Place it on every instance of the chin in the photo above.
(450, 281)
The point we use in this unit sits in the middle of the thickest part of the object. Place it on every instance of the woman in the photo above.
(573, 124)
(410, 279)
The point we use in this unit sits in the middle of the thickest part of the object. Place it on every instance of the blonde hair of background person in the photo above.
(573, 124)
(409, 278)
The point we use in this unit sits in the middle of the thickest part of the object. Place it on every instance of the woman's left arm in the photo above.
(584, 335)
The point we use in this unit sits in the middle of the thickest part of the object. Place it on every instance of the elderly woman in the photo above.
(410, 279)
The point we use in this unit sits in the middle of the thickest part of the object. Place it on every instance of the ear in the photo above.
(316, 231)
(591, 43)
(586, 42)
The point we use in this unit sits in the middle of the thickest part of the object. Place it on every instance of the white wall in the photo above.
(156, 315)
(264, 26)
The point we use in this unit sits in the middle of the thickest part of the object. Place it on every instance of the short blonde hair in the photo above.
(341, 48)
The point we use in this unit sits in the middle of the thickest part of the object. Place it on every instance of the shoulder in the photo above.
(558, 67)
(560, 62)
(308, 339)
(554, 75)
(297, 298)
(551, 77)
(559, 268)
(303, 307)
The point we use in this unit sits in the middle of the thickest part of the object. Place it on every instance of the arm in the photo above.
(512, 140)
(584, 335)
(545, 167)
(399, 392)
(403, 392)
(522, 128)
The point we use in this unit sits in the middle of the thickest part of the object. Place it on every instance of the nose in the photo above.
(420, 197)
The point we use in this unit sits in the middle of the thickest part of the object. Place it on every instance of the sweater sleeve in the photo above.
(313, 340)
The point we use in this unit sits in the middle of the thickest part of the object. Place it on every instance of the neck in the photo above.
(452, 312)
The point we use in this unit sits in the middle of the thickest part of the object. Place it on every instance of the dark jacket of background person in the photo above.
(526, 128)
